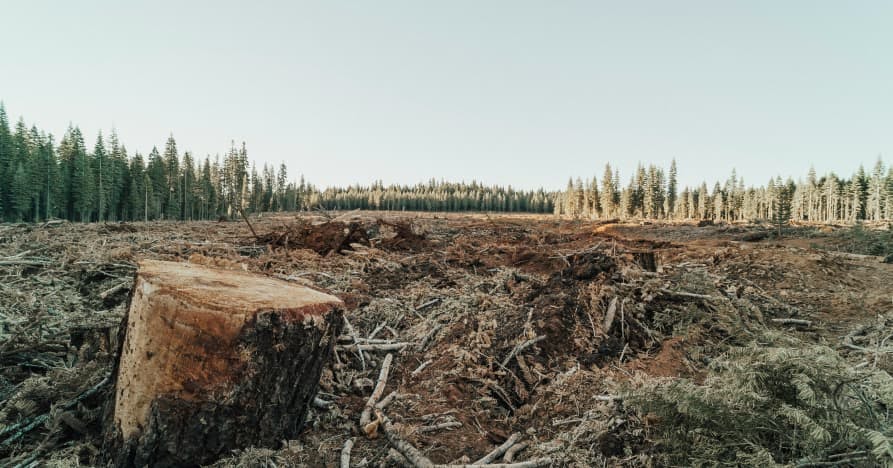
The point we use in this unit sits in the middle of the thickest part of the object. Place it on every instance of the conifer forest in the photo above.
(42, 178)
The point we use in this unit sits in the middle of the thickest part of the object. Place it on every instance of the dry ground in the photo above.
(512, 324)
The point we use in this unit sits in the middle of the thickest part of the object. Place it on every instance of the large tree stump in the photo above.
(215, 360)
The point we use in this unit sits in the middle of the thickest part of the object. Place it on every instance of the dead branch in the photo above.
(419, 369)
(353, 335)
(705, 297)
(438, 427)
(429, 336)
(366, 416)
(345, 453)
(513, 450)
(498, 451)
(253, 232)
(113, 289)
(535, 463)
(406, 449)
(521, 347)
(387, 400)
(609, 315)
(791, 321)
(427, 304)
(321, 404)
(27, 426)
(373, 347)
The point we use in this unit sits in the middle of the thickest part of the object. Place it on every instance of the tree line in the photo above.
(42, 179)
(652, 193)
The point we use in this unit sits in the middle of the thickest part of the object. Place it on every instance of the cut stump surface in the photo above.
(215, 360)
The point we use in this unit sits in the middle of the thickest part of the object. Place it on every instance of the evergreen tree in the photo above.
(6, 150)
(173, 186)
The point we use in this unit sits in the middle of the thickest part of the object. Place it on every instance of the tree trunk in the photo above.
(215, 360)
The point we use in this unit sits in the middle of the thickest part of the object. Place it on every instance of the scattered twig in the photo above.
(791, 321)
(419, 369)
(353, 335)
(387, 400)
(498, 451)
(113, 289)
(366, 416)
(670, 292)
(427, 304)
(373, 347)
(321, 404)
(406, 449)
(438, 427)
(521, 347)
(429, 336)
(513, 450)
(43, 417)
(345, 453)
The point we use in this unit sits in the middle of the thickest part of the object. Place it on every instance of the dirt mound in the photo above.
(321, 238)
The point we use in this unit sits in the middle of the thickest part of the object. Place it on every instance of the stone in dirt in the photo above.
(215, 360)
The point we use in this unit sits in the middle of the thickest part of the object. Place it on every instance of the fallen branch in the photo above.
(353, 335)
(113, 289)
(345, 453)
(429, 336)
(366, 416)
(498, 451)
(419, 369)
(513, 450)
(535, 463)
(438, 427)
(412, 454)
(321, 404)
(24, 262)
(427, 304)
(35, 422)
(373, 347)
(790, 321)
(521, 347)
(670, 292)
(387, 400)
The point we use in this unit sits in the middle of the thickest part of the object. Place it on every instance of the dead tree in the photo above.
(215, 360)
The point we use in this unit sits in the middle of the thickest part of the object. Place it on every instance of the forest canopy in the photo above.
(42, 178)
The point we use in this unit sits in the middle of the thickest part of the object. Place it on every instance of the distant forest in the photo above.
(42, 179)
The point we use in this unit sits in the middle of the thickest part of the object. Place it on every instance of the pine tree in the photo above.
(782, 203)
(99, 169)
(6, 175)
(172, 206)
(157, 189)
(21, 201)
(671, 208)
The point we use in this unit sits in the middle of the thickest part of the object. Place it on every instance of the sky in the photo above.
(514, 92)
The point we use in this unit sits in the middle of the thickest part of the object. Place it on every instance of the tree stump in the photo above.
(215, 360)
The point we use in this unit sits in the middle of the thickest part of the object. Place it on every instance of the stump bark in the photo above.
(215, 360)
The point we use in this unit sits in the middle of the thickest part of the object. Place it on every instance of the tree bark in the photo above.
(215, 360)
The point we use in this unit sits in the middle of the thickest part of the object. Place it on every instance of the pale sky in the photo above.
(510, 92)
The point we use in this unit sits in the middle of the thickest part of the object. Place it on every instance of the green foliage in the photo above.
(777, 402)
(859, 240)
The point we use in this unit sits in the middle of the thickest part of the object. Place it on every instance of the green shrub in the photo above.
(788, 404)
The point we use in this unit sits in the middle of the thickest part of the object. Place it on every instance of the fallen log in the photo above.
(212, 361)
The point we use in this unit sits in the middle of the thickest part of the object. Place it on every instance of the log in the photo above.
(212, 361)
